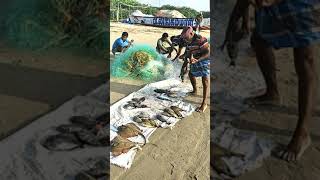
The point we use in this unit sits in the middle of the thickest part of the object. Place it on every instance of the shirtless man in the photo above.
(294, 24)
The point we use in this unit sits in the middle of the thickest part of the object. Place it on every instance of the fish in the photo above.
(220, 151)
(137, 119)
(84, 121)
(160, 91)
(172, 94)
(62, 142)
(177, 110)
(171, 112)
(135, 99)
(221, 167)
(164, 98)
(89, 138)
(70, 128)
(149, 123)
(142, 99)
(217, 153)
(104, 118)
(144, 106)
(141, 106)
(99, 169)
(127, 106)
(143, 115)
(161, 118)
(84, 176)
(166, 114)
(120, 145)
(236, 30)
(130, 130)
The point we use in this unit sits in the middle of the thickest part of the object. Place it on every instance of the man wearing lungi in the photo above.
(197, 53)
(283, 24)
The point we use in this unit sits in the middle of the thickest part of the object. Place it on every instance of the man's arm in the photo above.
(160, 45)
(240, 10)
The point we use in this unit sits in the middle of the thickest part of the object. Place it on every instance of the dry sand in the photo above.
(178, 154)
(276, 123)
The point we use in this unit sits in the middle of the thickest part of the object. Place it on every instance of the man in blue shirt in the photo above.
(121, 44)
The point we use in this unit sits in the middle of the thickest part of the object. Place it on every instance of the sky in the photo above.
(199, 5)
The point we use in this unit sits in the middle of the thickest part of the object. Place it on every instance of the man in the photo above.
(161, 45)
(282, 24)
(121, 44)
(198, 19)
(178, 41)
(197, 55)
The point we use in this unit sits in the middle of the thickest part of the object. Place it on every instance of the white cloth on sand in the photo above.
(23, 157)
(120, 116)
(243, 142)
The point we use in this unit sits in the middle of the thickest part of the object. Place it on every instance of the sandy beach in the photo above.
(178, 154)
(272, 122)
(34, 82)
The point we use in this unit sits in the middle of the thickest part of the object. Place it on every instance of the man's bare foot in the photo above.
(202, 108)
(262, 99)
(193, 93)
(297, 146)
(169, 56)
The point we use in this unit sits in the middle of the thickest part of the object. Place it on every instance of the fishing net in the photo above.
(40, 24)
(142, 62)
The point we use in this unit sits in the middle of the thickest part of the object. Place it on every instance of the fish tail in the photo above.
(144, 138)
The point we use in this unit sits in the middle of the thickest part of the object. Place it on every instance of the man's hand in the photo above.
(193, 60)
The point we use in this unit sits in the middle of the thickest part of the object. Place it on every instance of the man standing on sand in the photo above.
(282, 24)
(197, 55)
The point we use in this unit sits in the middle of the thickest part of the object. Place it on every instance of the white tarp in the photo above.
(139, 13)
(23, 157)
(120, 116)
(243, 142)
(170, 14)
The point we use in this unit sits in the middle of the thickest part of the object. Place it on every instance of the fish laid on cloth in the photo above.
(237, 29)
(120, 145)
(139, 100)
(130, 130)
(98, 171)
(161, 91)
(177, 110)
(167, 92)
(217, 153)
(62, 142)
(70, 128)
(135, 103)
(171, 112)
(146, 122)
(151, 123)
(83, 120)
(88, 137)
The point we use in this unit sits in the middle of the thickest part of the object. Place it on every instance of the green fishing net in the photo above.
(40, 24)
(142, 62)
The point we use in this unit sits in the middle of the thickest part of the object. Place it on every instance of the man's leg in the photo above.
(119, 49)
(170, 49)
(307, 77)
(266, 61)
(205, 84)
(193, 81)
